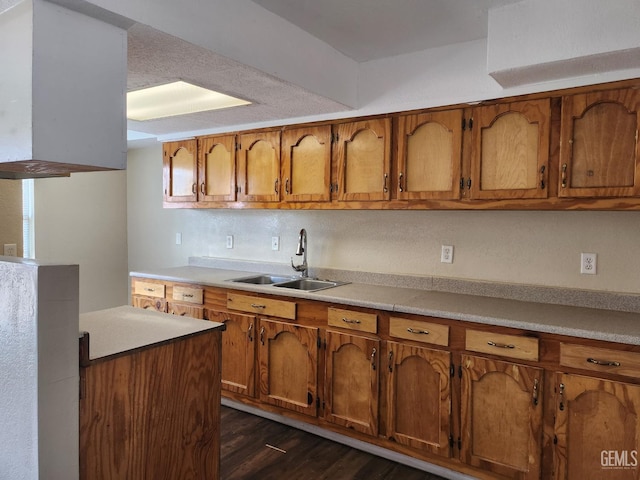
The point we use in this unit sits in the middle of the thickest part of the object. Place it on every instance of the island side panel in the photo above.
(153, 413)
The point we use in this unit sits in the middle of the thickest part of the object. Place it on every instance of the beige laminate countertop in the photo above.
(608, 325)
(120, 329)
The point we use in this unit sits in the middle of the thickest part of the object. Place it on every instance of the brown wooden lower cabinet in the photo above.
(153, 412)
(419, 397)
(501, 417)
(238, 351)
(352, 381)
(466, 397)
(288, 358)
(597, 429)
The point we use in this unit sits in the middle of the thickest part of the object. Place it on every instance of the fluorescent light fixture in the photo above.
(177, 98)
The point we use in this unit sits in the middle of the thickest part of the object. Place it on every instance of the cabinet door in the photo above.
(597, 429)
(419, 397)
(351, 382)
(599, 147)
(306, 164)
(259, 167)
(362, 156)
(429, 155)
(217, 169)
(180, 171)
(288, 357)
(510, 150)
(238, 351)
(501, 418)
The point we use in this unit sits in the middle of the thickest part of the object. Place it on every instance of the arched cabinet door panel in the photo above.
(180, 171)
(599, 147)
(510, 152)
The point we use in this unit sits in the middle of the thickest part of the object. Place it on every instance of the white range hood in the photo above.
(62, 92)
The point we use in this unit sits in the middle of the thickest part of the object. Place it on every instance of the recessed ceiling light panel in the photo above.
(177, 98)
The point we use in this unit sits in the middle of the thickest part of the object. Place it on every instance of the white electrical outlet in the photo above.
(275, 243)
(588, 263)
(446, 255)
(229, 241)
(10, 250)
(178, 238)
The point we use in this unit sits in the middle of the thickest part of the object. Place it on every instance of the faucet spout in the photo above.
(302, 251)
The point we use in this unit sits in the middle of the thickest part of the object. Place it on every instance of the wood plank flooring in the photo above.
(244, 454)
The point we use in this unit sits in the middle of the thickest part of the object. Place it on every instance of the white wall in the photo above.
(541, 248)
(82, 220)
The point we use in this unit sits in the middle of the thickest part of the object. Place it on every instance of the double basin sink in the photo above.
(293, 283)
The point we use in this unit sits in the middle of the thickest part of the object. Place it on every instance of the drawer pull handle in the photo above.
(256, 305)
(149, 289)
(501, 345)
(418, 332)
(604, 363)
(348, 320)
(187, 295)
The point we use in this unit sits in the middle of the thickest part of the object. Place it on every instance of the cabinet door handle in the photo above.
(534, 395)
(194, 188)
(604, 363)
(202, 188)
(400, 177)
(250, 333)
(391, 360)
(349, 320)
(286, 186)
(542, 170)
(262, 335)
(384, 184)
(275, 186)
(561, 388)
(501, 345)
(373, 359)
(564, 175)
(417, 332)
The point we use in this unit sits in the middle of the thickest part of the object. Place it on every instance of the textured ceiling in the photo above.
(155, 58)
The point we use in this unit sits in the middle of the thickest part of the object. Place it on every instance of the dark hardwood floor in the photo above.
(245, 454)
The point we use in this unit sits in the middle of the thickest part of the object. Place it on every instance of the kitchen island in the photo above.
(149, 395)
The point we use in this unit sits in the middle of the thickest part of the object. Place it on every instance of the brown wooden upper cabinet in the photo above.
(306, 164)
(599, 148)
(259, 167)
(217, 168)
(362, 155)
(180, 171)
(429, 155)
(510, 151)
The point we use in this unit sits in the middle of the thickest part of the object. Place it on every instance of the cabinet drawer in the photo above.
(188, 294)
(363, 322)
(263, 306)
(149, 289)
(419, 331)
(603, 360)
(512, 346)
(185, 310)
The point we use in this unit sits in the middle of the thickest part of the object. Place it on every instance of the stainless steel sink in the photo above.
(263, 279)
(308, 284)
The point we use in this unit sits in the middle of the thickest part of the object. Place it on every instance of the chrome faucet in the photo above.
(302, 250)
